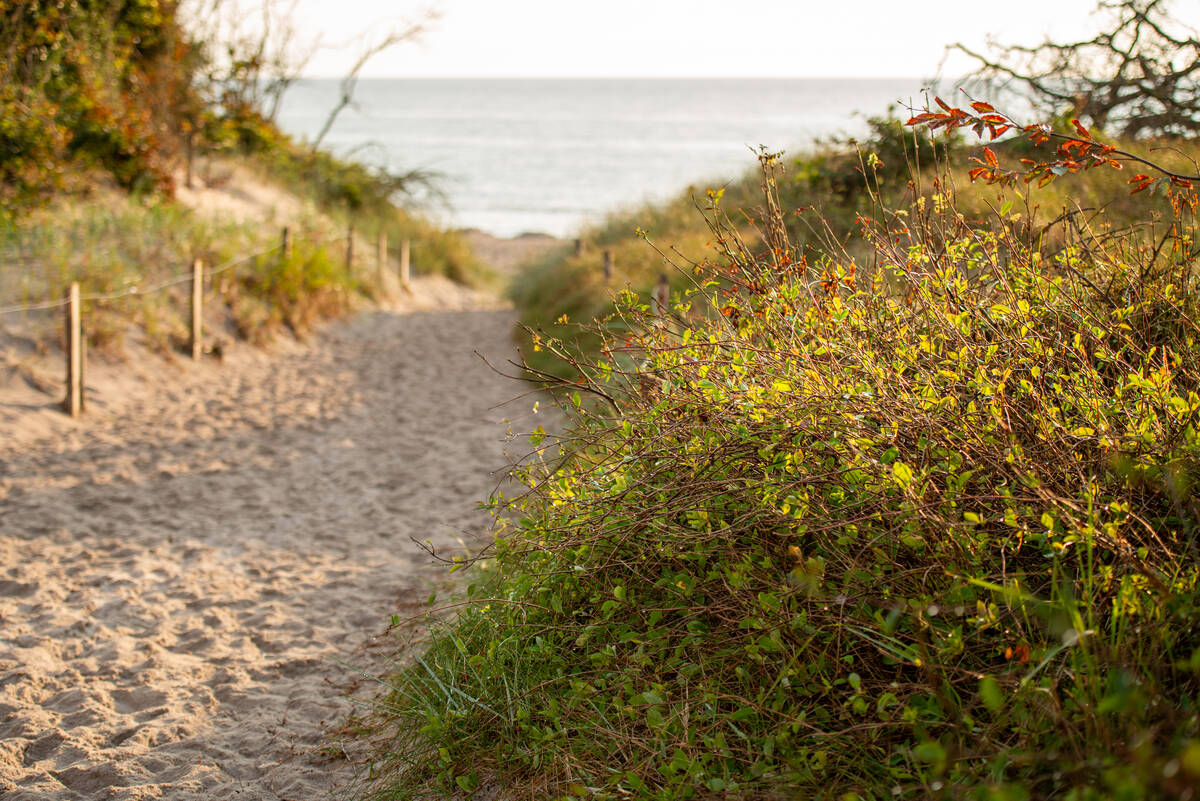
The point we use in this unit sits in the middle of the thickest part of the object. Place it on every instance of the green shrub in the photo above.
(921, 530)
(840, 178)
(302, 288)
(847, 170)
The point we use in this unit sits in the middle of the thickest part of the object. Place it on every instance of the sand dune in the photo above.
(186, 573)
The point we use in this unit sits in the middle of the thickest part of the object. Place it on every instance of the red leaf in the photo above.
(990, 156)
(982, 107)
(942, 103)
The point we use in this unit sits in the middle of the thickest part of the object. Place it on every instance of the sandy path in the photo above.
(180, 574)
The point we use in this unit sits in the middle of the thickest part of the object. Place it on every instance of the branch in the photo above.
(1138, 51)
(411, 32)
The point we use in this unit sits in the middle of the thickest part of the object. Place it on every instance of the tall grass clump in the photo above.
(294, 290)
(918, 526)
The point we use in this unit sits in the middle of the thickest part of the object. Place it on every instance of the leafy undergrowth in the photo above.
(922, 531)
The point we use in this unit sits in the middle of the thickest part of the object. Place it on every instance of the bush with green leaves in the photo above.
(297, 289)
(919, 527)
(848, 169)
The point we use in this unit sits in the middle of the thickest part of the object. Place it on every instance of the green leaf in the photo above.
(989, 693)
(743, 713)
(930, 752)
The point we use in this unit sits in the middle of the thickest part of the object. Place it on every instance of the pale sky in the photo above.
(752, 38)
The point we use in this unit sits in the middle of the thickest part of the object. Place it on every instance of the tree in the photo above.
(1139, 77)
(252, 53)
(90, 86)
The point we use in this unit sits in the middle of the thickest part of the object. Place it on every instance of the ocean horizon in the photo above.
(553, 155)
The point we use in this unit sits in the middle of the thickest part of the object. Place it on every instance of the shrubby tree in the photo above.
(1139, 77)
(92, 83)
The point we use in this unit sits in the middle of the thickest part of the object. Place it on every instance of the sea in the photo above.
(515, 156)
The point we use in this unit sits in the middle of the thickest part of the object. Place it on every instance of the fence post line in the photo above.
(197, 308)
(662, 296)
(381, 259)
(404, 264)
(608, 266)
(73, 404)
(285, 246)
(578, 247)
(350, 249)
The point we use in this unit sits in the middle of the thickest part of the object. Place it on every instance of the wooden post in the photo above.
(82, 367)
(662, 296)
(73, 404)
(197, 309)
(381, 259)
(578, 247)
(285, 246)
(350, 249)
(404, 265)
(608, 266)
(191, 153)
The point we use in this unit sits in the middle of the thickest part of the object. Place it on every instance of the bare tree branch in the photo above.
(1138, 77)
(407, 33)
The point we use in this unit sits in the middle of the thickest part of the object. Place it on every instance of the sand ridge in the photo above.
(187, 572)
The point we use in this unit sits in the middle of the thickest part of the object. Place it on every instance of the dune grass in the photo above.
(112, 243)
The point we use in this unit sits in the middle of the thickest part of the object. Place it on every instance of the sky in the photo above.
(673, 38)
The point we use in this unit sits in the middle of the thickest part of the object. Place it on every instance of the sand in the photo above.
(507, 256)
(191, 574)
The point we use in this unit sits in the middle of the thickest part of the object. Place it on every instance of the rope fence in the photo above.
(137, 290)
(73, 300)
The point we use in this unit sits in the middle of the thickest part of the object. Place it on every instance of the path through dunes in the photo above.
(181, 573)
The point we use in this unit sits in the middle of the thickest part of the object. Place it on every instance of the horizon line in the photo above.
(620, 77)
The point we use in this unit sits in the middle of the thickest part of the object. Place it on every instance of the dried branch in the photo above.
(1140, 77)
(407, 33)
